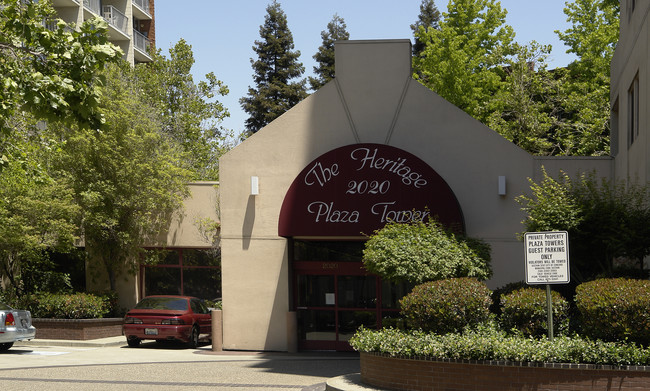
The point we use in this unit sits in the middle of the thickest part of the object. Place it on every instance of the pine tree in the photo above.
(336, 31)
(277, 65)
(429, 18)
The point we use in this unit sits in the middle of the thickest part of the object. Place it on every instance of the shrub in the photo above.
(489, 343)
(68, 306)
(615, 309)
(495, 308)
(525, 310)
(447, 305)
(425, 251)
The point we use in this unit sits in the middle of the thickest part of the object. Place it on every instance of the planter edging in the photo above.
(426, 373)
(77, 329)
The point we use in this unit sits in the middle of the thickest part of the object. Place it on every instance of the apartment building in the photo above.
(628, 93)
(131, 22)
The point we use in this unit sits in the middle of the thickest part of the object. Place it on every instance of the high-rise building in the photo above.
(131, 22)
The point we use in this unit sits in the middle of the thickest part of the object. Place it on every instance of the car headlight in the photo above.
(172, 321)
(131, 320)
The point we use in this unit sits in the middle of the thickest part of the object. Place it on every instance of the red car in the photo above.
(163, 318)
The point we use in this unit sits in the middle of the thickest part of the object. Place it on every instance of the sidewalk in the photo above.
(95, 343)
(349, 382)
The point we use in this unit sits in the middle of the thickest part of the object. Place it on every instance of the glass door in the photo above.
(333, 295)
(332, 306)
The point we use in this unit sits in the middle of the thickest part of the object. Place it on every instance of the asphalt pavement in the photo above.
(108, 364)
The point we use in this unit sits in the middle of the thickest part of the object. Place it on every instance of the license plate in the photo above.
(151, 331)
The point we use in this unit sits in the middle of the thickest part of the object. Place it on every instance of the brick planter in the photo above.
(419, 374)
(77, 329)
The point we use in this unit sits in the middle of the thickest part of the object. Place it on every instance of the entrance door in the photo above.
(333, 298)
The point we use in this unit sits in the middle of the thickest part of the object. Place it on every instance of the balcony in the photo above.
(141, 45)
(65, 3)
(141, 10)
(117, 20)
(93, 6)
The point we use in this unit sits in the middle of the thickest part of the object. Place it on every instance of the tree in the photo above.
(275, 68)
(606, 220)
(187, 110)
(424, 251)
(429, 17)
(336, 31)
(462, 61)
(50, 72)
(37, 212)
(128, 179)
(592, 38)
(527, 109)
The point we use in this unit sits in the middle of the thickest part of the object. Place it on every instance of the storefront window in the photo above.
(190, 272)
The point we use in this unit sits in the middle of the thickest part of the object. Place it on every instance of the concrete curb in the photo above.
(350, 382)
(91, 343)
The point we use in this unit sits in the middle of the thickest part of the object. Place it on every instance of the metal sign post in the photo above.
(547, 262)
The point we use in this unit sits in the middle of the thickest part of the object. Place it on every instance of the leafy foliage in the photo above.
(419, 251)
(473, 62)
(275, 68)
(37, 212)
(525, 310)
(461, 61)
(324, 71)
(188, 111)
(552, 206)
(592, 37)
(429, 17)
(68, 306)
(489, 343)
(615, 309)
(128, 179)
(605, 220)
(447, 306)
(51, 72)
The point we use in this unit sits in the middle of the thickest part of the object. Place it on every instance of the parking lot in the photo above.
(112, 365)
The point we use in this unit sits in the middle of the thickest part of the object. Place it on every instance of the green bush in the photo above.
(447, 305)
(510, 287)
(615, 309)
(68, 306)
(489, 343)
(525, 310)
(425, 251)
(111, 300)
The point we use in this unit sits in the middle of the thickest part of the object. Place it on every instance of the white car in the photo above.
(15, 325)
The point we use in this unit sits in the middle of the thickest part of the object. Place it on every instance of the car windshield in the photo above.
(3, 306)
(162, 303)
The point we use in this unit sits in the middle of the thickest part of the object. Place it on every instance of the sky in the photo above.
(222, 32)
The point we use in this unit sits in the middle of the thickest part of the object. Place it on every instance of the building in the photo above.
(298, 197)
(131, 22)
(629, 94)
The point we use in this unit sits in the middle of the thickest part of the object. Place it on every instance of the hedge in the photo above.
(489, 343)
(525, 310)
(615, 309)
(447, 305)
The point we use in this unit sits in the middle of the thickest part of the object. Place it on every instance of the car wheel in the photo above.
(6, 346)
(133, 342)
(194, 338)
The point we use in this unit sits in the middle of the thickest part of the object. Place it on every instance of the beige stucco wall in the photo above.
(372, 100)
(631, 59)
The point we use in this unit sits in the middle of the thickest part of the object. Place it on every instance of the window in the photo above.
(633, 111)
(189, 272)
